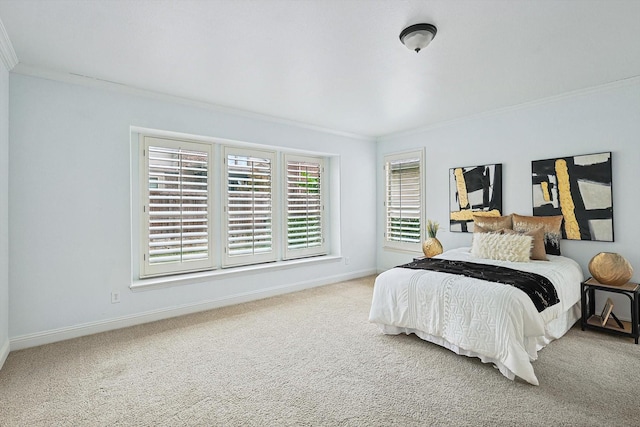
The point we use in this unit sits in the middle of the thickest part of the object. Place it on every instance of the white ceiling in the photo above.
(336, 64)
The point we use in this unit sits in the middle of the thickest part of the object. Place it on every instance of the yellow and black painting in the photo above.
(579, 189)
(474, 190)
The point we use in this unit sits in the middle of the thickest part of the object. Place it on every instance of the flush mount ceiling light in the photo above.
(418, 36)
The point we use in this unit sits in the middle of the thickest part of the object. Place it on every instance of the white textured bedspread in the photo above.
(496, 322)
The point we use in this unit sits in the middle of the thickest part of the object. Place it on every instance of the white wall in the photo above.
(69, 204)
(4, 213)
(602, 119)
(70, 208)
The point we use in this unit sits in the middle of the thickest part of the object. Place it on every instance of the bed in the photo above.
(495, 322)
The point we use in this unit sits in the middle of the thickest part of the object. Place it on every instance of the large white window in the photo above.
(268, 206)
(176, 207)
(248, 208)
(305, 191)
(403, 200)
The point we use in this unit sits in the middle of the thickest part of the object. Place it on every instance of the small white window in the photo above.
(403, 200)
(248, 207)
(305, 218)
(176, 207)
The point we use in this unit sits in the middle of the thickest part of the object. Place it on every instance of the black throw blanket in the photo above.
(537, 287)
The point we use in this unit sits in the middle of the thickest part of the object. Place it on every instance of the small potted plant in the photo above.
(432, 246)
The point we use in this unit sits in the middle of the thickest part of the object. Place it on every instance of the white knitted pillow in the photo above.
(504, 247)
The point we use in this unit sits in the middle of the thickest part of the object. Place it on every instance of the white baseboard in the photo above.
(4, 352)
(61, 334)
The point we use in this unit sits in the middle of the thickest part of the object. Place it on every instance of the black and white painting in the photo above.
(579, 189)
(474, 189)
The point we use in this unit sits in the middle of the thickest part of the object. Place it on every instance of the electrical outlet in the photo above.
(347, 260)
(115, 297)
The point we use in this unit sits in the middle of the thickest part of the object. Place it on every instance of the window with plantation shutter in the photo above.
(176, 207)
(248, 207)
(202, 204)
(304, 206)
(403, 200)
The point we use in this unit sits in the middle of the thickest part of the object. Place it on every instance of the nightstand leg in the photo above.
(635, 303)
(583, 305)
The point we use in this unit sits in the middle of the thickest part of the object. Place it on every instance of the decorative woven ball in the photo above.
(610, 268)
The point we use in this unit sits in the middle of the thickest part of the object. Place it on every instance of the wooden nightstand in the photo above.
(591, 320)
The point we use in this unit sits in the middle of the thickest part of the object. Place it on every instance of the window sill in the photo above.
(199, 277)
(415, 250)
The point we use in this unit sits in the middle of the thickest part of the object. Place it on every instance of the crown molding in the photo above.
(630, 81)
(7, 54)
(88, 81)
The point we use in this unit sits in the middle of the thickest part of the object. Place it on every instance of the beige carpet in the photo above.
(303, 359)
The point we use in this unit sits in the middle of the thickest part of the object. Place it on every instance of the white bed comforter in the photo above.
(497, 323)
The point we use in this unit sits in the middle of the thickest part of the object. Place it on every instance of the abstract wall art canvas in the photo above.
(579, 189)
(474, 190)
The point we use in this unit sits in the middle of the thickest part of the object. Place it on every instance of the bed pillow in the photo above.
(550, 224)
(538, 251)
(492, 223)
(503, 247)
(477, 230)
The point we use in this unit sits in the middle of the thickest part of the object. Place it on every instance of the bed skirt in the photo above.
(553, 330)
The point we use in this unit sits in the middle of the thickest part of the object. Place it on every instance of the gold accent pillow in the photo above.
(538, 251)
(551, 225)
(479, 229)
(492, 223)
